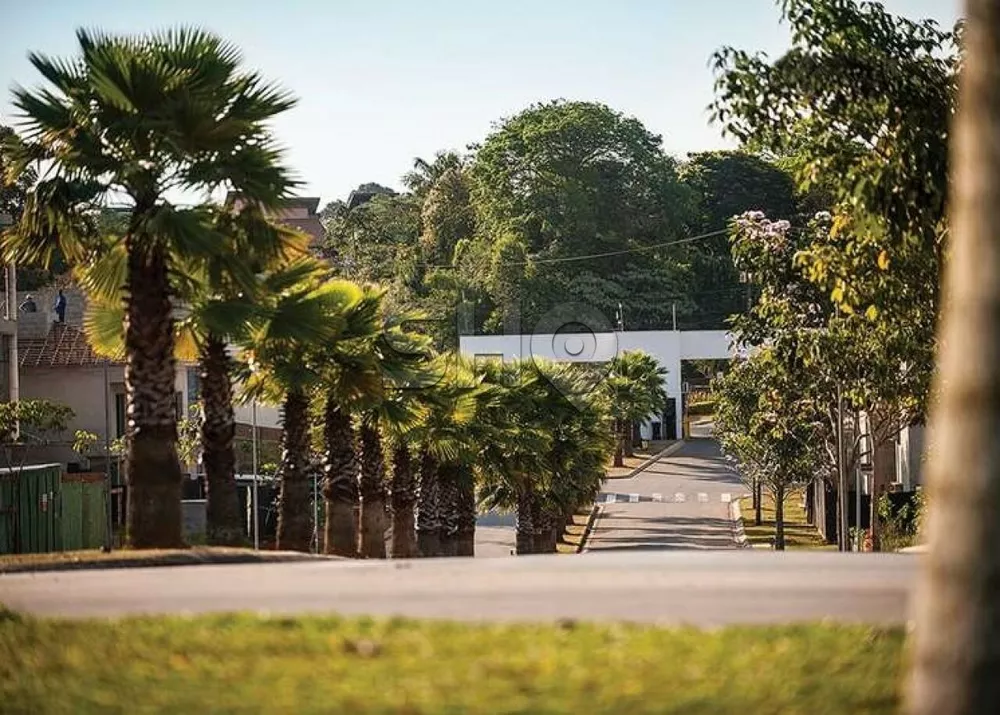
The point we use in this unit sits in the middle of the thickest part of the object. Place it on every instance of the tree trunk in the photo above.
(428, 507)
(152, 468)
(779, 518)
(758, 507)
(467, 513)
(956, 649)
(294, 515)
(619, 447)
(340, 482)
(449, 503)
(545, 520)
(628, 442)
(525, 536)
(404, 501)
(372, 492)
(218, 431)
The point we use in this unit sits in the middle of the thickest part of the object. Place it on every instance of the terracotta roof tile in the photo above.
(64, 346)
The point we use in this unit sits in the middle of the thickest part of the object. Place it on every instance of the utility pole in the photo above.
(256, 502)
(842, 538)
(673, 311)
(857, 485)
(107, 462)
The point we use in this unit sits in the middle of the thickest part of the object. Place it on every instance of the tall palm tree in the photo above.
(141, 117)
(214, 310)
(957, 639)
(286, 329)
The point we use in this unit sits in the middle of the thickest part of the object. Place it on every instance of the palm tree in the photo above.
(447, 436)
(216, 310)
(287, 327)
(141, 117)
(513, 462)
(634, 387)
(957, 639)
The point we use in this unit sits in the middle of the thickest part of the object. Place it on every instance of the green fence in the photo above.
(29, 509)
(41, 509)
(83, 511)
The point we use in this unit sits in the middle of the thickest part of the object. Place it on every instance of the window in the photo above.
(4, 368)
(120, 414)
(193, 385)
(179, 405)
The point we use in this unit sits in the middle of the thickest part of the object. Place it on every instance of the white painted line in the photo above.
(679, 497)
(703, 497)
(633, 498)
(657, 497)
(611, 499)
(726, 498)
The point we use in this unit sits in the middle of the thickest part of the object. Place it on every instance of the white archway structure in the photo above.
(669, 347)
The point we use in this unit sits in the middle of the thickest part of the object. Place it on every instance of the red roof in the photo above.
(64, 346)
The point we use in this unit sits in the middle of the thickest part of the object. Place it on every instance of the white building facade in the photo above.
(669, 347)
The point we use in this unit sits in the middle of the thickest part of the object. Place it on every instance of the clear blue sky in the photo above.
(383, 81)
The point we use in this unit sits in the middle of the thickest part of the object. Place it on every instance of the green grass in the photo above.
(799, 534)
(245, 663)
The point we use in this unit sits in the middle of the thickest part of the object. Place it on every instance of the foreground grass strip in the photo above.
(246, 663)
(799, 533)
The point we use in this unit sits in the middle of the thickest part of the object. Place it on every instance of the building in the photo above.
(669, 347)
(57, 363)
(298, 212)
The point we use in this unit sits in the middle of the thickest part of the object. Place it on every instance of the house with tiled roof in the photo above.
(56, 362)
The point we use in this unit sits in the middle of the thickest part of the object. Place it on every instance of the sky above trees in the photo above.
(382, 83)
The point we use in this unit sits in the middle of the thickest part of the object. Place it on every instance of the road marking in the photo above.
(611, 499)
(726, 498)
(702, 497)
(633, 498)
(679, 497)
(657, 497)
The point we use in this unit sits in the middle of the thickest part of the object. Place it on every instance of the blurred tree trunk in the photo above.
(956, 644)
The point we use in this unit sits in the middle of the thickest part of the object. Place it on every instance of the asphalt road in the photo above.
(680, 502)
(704, 588)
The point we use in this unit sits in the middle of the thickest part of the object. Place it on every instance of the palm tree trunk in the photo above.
(428, 507)
(956, 648)
(619, 452)
(404, 500)
(218, 431)
(294, 514)
(525, 536)
(467, 513)
(151, 464)
(340, 482)
(449, 501)
(372, 492)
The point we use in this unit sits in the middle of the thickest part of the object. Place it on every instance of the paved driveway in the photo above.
(680, 502)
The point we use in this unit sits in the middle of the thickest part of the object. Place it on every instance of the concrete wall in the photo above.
(667, 346)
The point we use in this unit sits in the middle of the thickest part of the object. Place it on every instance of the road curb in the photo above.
(739, 532)
(179, 557)
(595, 514)
(665, 452)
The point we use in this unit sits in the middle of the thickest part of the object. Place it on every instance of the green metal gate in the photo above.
(83, 510)
(30, 509)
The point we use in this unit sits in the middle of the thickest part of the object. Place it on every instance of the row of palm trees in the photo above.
(140, 121)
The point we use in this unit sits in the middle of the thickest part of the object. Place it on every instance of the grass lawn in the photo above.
(246, 663)
(799, 534)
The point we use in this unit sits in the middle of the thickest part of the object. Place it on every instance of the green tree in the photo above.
(723, 185)
(140, 117)
(565, 179)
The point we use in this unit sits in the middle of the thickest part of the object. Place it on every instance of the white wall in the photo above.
(667, 346)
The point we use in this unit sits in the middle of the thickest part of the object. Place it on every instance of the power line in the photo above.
(606, 254)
